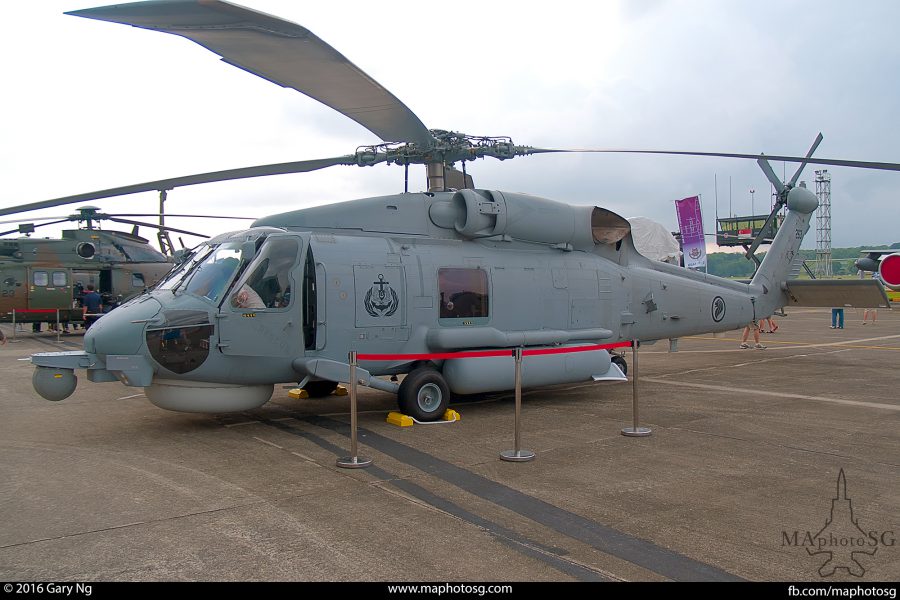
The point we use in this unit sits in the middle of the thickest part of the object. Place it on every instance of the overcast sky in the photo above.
(89, 105)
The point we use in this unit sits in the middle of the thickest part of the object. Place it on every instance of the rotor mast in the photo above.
(434, 172)
(165, 242)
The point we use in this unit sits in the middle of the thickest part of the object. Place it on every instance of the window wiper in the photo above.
(188, 270)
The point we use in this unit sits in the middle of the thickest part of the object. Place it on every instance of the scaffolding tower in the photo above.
(823, 224)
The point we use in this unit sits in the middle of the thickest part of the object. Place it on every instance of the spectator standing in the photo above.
(92, 306)
(837, 318)
(754, 326)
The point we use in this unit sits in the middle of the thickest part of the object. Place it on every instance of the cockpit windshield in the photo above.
(176, 275)
(210, 276)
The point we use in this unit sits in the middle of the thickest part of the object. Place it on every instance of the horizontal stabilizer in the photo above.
(854, 293)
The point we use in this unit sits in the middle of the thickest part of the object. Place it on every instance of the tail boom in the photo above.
(769, 283)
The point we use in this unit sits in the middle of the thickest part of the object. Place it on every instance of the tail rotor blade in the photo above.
(809, 154)
(770, 175)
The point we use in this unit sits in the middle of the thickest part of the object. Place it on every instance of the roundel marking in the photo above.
(718, 309)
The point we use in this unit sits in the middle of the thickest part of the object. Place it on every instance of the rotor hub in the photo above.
(448, 147)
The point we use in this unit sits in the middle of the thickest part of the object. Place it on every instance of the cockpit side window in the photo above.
(267, 282)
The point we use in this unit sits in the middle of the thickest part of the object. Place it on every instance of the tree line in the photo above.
(728, 264)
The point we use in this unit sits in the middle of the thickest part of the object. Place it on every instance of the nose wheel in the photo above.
(620, 362)
(424, 394)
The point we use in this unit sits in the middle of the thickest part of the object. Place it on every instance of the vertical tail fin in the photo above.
(773, 272)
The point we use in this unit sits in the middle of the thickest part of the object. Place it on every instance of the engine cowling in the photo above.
(482, 213)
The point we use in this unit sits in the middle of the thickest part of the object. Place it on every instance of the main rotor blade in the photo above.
(859, 164)
(279, 51)
(303, 166)
(156, 226)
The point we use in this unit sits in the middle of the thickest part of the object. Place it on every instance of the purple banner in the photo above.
(690, 223)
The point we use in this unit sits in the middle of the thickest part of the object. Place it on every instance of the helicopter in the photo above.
(447, 270)
(884, 263)
(42, 279)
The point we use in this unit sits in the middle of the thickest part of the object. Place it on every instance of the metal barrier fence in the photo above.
(517, 454)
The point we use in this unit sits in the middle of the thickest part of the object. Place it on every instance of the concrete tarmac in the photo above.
(737, 481)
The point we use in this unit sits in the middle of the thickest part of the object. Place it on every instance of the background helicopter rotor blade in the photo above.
(17, 230)
(172, 215)
(280, 51)
(302, 166)
(156, 226)
(35, 220)
(859, 164)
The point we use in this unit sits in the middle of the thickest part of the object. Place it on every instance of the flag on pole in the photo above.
(690, 223)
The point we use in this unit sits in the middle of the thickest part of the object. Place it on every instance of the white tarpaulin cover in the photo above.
(653, 240)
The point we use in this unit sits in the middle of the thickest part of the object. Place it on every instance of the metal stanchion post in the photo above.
(14, 326)
(354, 461)
(517, 454)
(635, 430)
(57, 326)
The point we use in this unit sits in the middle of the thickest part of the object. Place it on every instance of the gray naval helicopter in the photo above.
(447, 270)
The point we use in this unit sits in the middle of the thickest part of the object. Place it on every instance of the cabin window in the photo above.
(463, 293)
(137, 280)
(40, 278)
(267, 281)
(60, 279)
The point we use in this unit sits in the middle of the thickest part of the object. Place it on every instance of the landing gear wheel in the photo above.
(620, 362)
(320, 389)
(424, 394)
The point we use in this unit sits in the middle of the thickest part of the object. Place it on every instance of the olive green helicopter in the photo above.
(43, 279)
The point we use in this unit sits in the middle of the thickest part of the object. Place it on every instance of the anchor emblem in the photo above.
(378, 303)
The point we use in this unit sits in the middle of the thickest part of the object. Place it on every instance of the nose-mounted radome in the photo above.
(122, 330)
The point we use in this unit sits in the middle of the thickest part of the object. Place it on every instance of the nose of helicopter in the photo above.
(122, 330)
